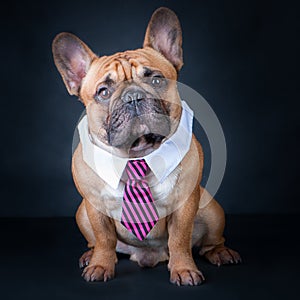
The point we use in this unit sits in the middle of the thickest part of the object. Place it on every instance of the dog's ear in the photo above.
(72, 58)
(164, 35)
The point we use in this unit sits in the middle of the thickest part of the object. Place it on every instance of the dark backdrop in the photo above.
(242, 56)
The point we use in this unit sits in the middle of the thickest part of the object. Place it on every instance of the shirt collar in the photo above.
(161, 161)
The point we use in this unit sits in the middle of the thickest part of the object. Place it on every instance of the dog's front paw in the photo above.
(223, 255)
(186, 277)
(97, 273)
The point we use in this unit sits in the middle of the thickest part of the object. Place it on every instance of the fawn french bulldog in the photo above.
(133, 203)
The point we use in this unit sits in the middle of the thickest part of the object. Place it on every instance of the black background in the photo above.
(242, 56)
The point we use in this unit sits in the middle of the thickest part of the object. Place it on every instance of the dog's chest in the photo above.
(112, 198)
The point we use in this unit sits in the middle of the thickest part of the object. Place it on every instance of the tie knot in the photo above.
(136, 169)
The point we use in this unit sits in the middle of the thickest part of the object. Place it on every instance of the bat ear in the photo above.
(164, 35)
(72, 58)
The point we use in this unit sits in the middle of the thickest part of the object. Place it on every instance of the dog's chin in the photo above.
(145, 144)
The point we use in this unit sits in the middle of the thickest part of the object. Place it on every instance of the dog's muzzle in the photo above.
(137, 119)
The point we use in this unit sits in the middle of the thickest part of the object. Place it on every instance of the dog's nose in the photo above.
(133, 95)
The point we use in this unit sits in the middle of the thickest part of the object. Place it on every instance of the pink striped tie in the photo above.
(139, 214)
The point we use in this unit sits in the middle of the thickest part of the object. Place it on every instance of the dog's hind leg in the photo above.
(210, 222)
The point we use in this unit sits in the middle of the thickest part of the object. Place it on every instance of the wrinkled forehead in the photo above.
(130, 65)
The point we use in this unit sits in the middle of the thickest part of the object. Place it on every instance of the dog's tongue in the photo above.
(145, 144)
(140, 144)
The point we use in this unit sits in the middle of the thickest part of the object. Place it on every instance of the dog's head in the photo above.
(131, 97)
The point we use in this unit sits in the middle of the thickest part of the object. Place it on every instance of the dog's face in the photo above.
(131, 97)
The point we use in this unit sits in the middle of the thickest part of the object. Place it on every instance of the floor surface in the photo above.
(39, 260)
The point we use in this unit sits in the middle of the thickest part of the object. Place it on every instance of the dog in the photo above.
(133, 109)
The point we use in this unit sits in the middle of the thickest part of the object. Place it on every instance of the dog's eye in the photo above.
(156, 81)
(104, 93)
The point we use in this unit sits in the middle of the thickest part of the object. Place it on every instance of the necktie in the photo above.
(139, 214)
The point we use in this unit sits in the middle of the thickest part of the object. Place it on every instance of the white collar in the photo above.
(161, 161)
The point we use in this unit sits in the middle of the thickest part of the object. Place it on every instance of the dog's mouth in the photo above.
(146, 142)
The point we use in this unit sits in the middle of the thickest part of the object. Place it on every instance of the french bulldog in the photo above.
(133, 107)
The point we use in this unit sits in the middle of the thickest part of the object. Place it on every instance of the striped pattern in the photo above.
(139, 214)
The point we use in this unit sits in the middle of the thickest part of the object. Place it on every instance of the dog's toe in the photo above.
(85, 259)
